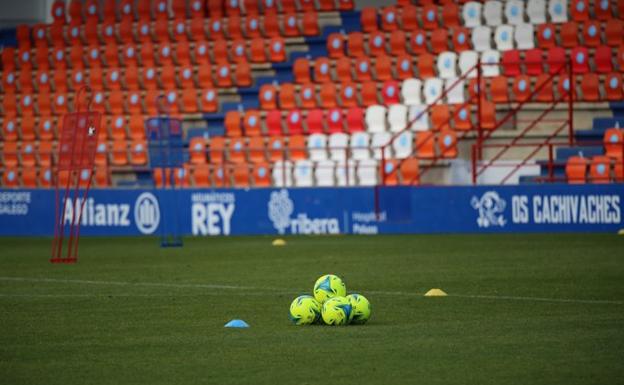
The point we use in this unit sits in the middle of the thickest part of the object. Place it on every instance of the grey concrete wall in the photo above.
(14, 12)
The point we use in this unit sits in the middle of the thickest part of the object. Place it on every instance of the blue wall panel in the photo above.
(524, 208)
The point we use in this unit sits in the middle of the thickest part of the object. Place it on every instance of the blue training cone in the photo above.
(237, 323)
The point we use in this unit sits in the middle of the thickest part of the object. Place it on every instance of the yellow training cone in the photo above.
(279, 242)
(621, 232)
(435, 293)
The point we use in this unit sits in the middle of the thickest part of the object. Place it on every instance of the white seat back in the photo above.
(504, 37)
(324, 173)
(411, 91)
(403, 145)
(360, 146)
(376, 118)
(338, 146)
(493, 13)
(367, 172)
(282, 173)
(317, 146)
(524, 36)
(514, 12)
(419, 117)
(481, 38)
(304, 176)
(471, 13)
(447, 65)
(433, 91)
(397, 117)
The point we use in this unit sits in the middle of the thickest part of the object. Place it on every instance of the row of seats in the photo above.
(413, 91)
(118, 153)
(196, 30)
(450, 65)
(255, 50)
(376, 118)
(133, 102)
(145, 10)
(337, 146)
(34, 177)
(602, 169)
(493, 13)
(302, 173)
(130, 78)
(503, 38)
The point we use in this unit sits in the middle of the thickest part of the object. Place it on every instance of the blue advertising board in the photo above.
(523, 208)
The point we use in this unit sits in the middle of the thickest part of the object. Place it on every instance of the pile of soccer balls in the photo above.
(331, 304)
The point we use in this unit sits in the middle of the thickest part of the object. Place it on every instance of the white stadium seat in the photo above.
(524, 36)
(378, 141)
(376, 118)
(471, 12)
(345, 173)
(492, 59)
(403, 145)
(536, 10)
(454, 95)
(324, 173)
(282, 173)
(411, 91)
(338, 145)
(467, 62)
(514, 12)
(317, 146)
(481, 38)
(493, 13)
(419, 117)
(304, 176)
(504, 37)
(360, 145)
(447, 65)
(433, 91)
(397, 117)
(367, 172)
(558, 11)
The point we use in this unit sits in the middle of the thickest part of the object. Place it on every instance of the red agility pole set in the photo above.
(72, 176)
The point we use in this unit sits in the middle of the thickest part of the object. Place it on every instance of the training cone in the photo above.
(621, 232)
(279, 242)
(237, 323)
(435, 293)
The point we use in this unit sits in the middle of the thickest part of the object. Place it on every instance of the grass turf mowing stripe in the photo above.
(261, 291)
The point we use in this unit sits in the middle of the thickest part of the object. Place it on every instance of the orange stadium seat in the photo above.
(599, 169)
(201, 175)
(294, 122)
(276, 149)
(315, 122)
(424, 145)
(410, 171)
(287, 96)
(614, 31)
(267, 97)
(613, 87)
(237, 150)
(261, 175)
(233, 124)
(216, 149)
(256, 149)
(251, 123)
(576, 169)
(614, 143)
(368, 19)
(462, 119)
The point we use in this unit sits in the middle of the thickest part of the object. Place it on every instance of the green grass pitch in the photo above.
(522, 309)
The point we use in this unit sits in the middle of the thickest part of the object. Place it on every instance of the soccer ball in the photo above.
(329, 286)
(304, 310)
(337, 311)
(361, 308)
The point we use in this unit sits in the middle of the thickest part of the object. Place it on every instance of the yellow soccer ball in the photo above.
(304, 310)
(337, 311)
(329, 286)
(360, 307)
